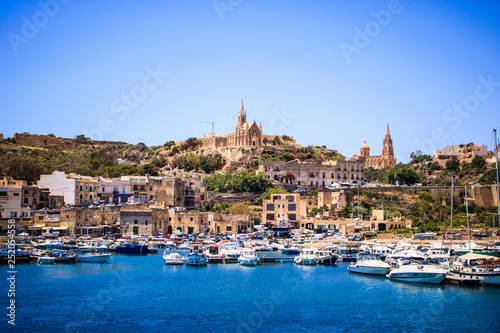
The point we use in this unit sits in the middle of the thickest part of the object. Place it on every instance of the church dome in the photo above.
(365, 145)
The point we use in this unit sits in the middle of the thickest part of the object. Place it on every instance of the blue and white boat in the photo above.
(196, 257)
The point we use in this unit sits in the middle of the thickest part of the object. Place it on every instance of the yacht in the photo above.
(438, 257)
(173, 258)
(409, 254)
(418, 272)
(381, 251)
(307, 256)
(371, 265)
(248, 257)
(94, 257)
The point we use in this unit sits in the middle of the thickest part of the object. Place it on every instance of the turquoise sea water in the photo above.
(139, 293)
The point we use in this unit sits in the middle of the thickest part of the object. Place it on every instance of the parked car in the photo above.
(85, 237)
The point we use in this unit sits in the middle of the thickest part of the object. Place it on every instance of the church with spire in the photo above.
(385, 160)
(245, 134)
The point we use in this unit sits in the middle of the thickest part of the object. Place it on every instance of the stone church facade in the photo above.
(246, 134)
(385, 160)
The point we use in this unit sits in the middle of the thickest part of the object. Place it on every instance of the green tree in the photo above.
(453, 165)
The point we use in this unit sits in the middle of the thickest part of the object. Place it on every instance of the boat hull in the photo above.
(139, 249)
(431, 278)
(368, 270)
(94, 258)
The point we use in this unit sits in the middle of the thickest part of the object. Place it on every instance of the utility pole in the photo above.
(498, 193)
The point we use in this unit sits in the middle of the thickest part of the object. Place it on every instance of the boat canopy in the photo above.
(475, 256)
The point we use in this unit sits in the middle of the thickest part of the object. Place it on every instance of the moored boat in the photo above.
(196, 257)
(418, 272)
(46, 259)
(326, 257)
(370, 265)
(307, 256)
(173, 259)
(95, 257)
(248, 257)
(473, 268)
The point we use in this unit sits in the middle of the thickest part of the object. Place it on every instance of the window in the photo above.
(103, 189)
(13, 214)
(228, 228)
(81, 188)
(270, 217)
(34, 200)
(3, 194)
(290, 198)
(25, 200)
(35, 192)
(135, 230)
(292, 217)
(270, 207)
(16, 194)
(169, 219)
(191, 219)
(292, 207)
(136, 222)
(145, 222)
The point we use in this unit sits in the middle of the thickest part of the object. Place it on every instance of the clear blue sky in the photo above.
(326, 72)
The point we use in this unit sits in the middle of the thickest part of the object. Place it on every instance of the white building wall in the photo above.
(60, 185)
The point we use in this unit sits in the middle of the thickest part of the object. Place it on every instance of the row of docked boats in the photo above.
(471, 268)
(198, 257)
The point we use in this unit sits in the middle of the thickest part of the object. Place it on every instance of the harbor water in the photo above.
(139, 293)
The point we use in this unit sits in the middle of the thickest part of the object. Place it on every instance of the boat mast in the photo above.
(451, 225)
(498, 192)
(467, 213)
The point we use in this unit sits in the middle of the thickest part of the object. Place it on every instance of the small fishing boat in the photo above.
(196, 257)
(326, 257)
(95, 257)
(174, 259)
(46, 259)
(215, 254)
(307, 256)
(248, 257)
(290, 250)
(63, 257)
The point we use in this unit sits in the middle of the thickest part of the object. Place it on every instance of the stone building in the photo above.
(386, 160)
(284, 207)
(463, 153)
(11, 204)
(334, 199)
(246, 134)
(313, 173)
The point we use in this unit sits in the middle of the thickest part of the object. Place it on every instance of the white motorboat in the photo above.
(231, 250)
(174, 259)
(438, 257)
(418, 272)
(46, 259)
(88, 246)
(214, 253)
(248, 257)
(381, 251)
(394, 257)
(97, 257)
(307, 256)
(371, 265)
(54, 243)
